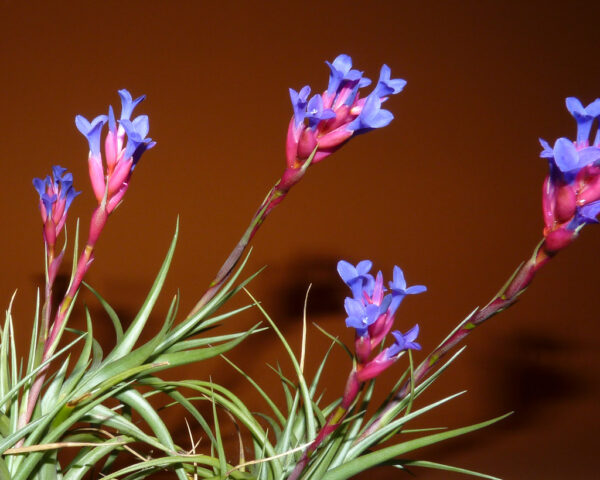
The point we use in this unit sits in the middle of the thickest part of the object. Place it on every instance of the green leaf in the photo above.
(82, 464)
(382, 433)
(83, 361)
(33, 373)
(257, 387)
(110, 312)
(52, 391)
(34, 343)
(130, 337)
(13, 438)
(138, 403)
(219, 443)
(378, 457)
(448, 468)
(306, 399)
(169, 360)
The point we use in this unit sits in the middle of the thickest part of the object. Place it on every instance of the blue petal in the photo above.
(364, 82)
(299, 104)
(40, 185)
(136, 132)
(353, 307)
(588, 156)
(58, 172)
(574, 106)
(346, 270)
(70, 195)
(412, 334)
(341, 69)
(48, 201)
(399, 283)
(565, 155)
(386, 86)
(371, 116)
(364, 266)
(593, 108)
(342, 63)
(589, 212)
(91, 131)
(547, 151)
(583, 116)
(112, 124)
(128, 104)
(385, 303)
(415, 289)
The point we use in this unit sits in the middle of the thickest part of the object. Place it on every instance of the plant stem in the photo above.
(353, 387)
(98, 222)
(273, 198)
(505, 298)
(291, 176)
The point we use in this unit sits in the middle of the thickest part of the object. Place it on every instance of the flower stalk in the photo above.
(371, 313)
(570, 200)
(123, 147)
(319, 127)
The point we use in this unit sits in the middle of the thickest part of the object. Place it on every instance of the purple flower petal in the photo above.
(128, 104)
(91, 130)
(386, 86)
(299, 100)
(565, 155)
(371, 116)
(589, 212)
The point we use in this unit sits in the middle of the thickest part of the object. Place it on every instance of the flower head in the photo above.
(371, 310)
(399, 289)
(360, 316)
(56, 194)
(403, 342)
(357, 277)
(322, 125)
(572, 188)
(124, 144)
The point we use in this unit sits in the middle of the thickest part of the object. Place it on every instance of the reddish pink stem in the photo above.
(353, 387)
(504, 299)
(273, 198)
(97, 224)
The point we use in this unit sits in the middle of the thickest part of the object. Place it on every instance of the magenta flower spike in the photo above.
(324, 123)
(56, 194)
(124, 144)
(371, 313)
(571, 191)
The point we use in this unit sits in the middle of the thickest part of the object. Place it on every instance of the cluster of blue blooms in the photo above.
(371, 311)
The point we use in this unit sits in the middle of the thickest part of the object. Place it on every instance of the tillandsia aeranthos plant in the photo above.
(100, 405)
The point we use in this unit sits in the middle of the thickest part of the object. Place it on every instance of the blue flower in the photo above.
(360, 316)
(91, 131)
(566, 160)
(315, 112)
(58, 188)
(128, 104)
(399, 290)
(137, 143)
(583, 116)
(341, 70)
(357, 278)
(403, 342)
(586, 214)
(371, 116)
(299, 101)
(386, 86)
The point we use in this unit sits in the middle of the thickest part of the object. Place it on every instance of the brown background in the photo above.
(449, 191)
